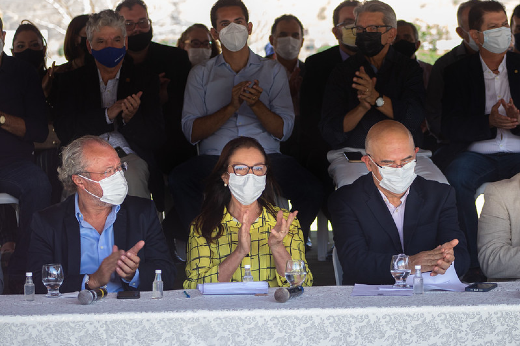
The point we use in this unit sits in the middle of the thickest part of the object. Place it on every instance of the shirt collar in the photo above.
(488, 72)
(402, 199)
(116, 77)
(79, 215)
(252, 60)
(344, 56)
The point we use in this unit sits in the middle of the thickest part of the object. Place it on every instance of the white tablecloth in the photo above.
(322, 316)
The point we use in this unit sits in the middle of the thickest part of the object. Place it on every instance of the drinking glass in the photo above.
(295, 272)
(52, 278)
(400, 270)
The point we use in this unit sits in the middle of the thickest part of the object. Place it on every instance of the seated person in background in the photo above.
(239, 94)
(499, 230)
(391, 211)
(375, 84)
(197, 41)
(23, 121)
(172, 66)
(407, 43)
(240, 225)
(480, 117)
(30, 46)
(99, 235)
(287, 40)
(114, 100)
(434, 91)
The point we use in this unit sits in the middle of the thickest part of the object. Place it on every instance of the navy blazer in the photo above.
(366, 237)
(56, 239)
(464, 119)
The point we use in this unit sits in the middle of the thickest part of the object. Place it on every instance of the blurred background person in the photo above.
(197, 41)
(240, 225)
(30, 45)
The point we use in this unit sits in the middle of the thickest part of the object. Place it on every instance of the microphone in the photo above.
(283, 294)
(86, 297)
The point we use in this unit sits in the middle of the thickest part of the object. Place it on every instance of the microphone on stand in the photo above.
(283, 294)
(86, 297)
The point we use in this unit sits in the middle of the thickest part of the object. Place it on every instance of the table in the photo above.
(322, 316)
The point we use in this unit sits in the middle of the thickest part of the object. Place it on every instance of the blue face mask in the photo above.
(109, 56)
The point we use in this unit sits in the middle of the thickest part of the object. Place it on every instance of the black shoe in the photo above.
(474, 275)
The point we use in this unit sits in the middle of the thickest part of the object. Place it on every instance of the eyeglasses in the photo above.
(370, 28)
(346, 23)
(239, 169)
(197, 44)
(142, 23)
(392, 164)
(109, 172)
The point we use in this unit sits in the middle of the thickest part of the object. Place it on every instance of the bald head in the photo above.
(384, 132)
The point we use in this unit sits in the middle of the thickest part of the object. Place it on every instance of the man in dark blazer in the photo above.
(130, 118)
(172, 65)
(391, 211)
(98, 236)
(480, 117)
(318, 67)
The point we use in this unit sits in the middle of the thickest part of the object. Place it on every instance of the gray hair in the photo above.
(73, 161)
(104, 18)
(389, 17)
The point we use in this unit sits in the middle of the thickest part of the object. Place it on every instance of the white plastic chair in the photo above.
(6, 198)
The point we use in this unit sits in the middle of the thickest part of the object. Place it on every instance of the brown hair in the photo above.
(70, 46)
(217, 196)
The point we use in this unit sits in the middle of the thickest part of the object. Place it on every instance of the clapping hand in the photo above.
(281, 229)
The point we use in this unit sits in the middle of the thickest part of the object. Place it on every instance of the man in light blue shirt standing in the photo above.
(238, 93)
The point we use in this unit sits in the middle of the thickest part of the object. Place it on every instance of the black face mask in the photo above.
(404, 47)
(140, 41)
(82, 46)
(33, 57)
(369, 43)
(517, 41)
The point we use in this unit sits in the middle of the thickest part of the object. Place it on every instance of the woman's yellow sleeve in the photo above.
(199, 268)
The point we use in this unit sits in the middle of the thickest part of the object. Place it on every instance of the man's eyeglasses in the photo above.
(109, 172)
(392, 164)
(239, 169)
(199, 44)
(142, 23)
(370, 28)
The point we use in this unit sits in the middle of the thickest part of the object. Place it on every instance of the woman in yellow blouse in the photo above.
(240, 225)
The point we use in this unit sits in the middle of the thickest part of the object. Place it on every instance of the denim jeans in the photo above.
(466, 173)
(186, 184)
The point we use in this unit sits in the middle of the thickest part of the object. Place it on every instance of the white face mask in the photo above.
(347, 37)
(246, 188)
(234, 37)
(288, 47)
(199, 55)
(497, 40)
(396, 180)
(114, 188)
(472, 44)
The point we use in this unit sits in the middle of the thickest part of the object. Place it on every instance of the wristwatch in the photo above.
(380, 101)
(2, 120)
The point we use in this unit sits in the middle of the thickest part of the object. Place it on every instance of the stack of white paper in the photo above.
(256, 287)
(449, 281)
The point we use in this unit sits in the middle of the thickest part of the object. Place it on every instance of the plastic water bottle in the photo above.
(28, 288)
(248, 277)
(418, 282)
(157, 292)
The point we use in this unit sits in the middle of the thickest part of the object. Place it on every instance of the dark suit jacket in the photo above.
(174, 62)
(79, 111)
(318, 67)
(464, 102)
(366, 236)
(56, 239)
(399, 78)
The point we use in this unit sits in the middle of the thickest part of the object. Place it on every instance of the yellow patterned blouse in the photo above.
(204, 259)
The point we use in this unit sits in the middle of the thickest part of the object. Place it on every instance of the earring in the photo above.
(225, 184)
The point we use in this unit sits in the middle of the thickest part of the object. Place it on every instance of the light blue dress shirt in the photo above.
(209, 89)
(96, 247)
